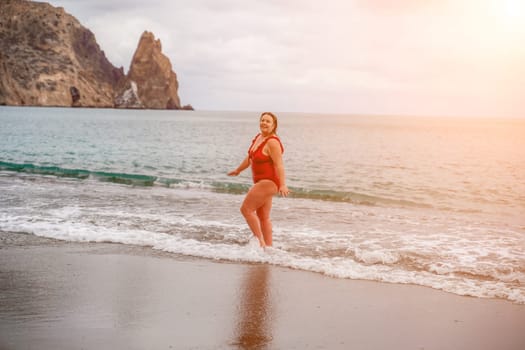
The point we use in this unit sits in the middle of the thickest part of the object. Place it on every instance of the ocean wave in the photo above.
(120, 178)
(143, 180)
(355, 198)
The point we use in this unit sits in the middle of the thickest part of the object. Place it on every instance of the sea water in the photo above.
(437, 202)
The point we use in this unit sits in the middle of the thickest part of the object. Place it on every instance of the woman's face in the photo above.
(266, 124)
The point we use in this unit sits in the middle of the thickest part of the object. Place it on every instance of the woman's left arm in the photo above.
(275, 152)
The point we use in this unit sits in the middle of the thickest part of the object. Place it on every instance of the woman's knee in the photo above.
(245, 210)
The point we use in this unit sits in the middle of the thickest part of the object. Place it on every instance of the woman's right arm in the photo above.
(245, 163)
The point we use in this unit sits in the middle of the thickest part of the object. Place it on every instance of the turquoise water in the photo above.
(432, 201)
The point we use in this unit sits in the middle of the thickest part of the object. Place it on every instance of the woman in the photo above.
(265, 158)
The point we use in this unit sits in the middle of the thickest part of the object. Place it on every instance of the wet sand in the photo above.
(58, 295)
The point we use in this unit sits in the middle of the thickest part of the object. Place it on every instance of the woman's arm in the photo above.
(244, 164)
(275, 152)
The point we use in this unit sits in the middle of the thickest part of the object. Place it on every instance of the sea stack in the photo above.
(151, 82)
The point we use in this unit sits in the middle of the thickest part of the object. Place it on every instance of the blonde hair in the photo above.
(274, 117)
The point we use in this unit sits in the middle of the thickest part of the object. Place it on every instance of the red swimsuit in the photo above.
(262, 165)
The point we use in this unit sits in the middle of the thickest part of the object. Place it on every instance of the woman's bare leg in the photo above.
(263, 213)
(256, 198)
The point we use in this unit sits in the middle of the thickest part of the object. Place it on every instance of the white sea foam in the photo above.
(369, 265)
(370, 257)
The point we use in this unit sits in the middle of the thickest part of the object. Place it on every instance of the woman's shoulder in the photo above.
(275, 141)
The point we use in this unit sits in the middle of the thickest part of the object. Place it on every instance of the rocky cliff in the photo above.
(47, 58)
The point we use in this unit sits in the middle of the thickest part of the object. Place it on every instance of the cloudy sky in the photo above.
(417, 57)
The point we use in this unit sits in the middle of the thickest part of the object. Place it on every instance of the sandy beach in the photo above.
(58, 295)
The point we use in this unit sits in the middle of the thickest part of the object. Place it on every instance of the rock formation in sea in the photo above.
(151, 81)
(47, 58)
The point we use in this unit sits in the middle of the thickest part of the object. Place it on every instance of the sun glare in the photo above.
(514, 9)
(514, 13)
(513, 18)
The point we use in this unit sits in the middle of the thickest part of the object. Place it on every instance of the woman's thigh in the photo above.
(260, 194)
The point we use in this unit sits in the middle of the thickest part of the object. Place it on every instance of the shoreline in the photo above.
(59, 294)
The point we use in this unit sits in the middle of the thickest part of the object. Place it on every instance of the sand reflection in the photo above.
(254, 322)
